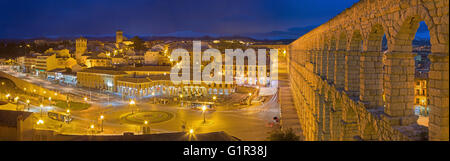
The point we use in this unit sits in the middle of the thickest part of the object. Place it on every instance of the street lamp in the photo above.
(214, 98)
(50, 100)
(16, 100)
(28, 104)
(41, 106)
(191, 131)
(204, 114)
(101, 118)
(92, 128)
(40, 121)
(131, 104)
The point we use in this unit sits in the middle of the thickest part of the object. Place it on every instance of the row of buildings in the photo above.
(118, 68)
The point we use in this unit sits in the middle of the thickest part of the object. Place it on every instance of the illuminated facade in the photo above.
(99, 79)
(81, 47)
(98, 62)
(421, 97)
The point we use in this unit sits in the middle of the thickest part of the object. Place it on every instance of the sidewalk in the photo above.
(289, 115)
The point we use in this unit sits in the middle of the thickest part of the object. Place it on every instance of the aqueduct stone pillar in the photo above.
(371, 77)
(438, 87)
(330, 66)
(352, 59)
(319, 62)
(399, 88)
(335, 121)
(324, 63)
(326, 120)
(316, 61)
(349, 125)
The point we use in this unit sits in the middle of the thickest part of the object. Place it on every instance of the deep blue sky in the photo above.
(258, 18)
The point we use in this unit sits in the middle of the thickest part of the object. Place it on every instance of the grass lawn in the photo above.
(74, 106)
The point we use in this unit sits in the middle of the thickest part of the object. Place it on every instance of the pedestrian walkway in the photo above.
(289, 116)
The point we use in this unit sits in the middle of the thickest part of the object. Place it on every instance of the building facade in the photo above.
(99, 79)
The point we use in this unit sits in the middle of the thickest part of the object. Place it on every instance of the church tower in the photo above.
(81, 47)
(119, 36)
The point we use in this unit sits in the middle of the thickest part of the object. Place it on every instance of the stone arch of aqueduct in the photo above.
(346, 88)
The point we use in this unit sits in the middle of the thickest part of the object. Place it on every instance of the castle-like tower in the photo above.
(81, 47)
(119, 36)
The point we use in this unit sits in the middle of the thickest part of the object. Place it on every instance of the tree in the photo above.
(138, 44)
(279, 135)
(68, 70)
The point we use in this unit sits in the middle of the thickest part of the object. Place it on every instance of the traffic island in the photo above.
(151, 117)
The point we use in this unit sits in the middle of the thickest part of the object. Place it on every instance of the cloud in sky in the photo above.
(274, 18)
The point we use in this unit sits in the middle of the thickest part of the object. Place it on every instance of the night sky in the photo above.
(273, 19)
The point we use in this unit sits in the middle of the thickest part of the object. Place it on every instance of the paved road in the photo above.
(249, 123)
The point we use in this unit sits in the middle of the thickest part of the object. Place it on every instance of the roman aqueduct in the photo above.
(346, 88)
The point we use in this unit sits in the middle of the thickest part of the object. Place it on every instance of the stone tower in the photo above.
(119, 36)
(81, 47)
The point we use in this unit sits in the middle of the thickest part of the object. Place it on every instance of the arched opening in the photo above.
(384, 44)
(324, 55)
(422, 47)
(352, 62)
(403, 55)
(375, 38)
(356, 42)
(341, 43)
(331, 59)
(372, 68)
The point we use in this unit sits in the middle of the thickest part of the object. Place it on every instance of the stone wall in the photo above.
(346, 88)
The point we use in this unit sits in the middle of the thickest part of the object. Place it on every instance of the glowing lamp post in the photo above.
(102, 118)
(16, 100)
(181, 99)
(28, 104)
(131, 104)
(204, 114)
(92, 128)
(41, 107)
